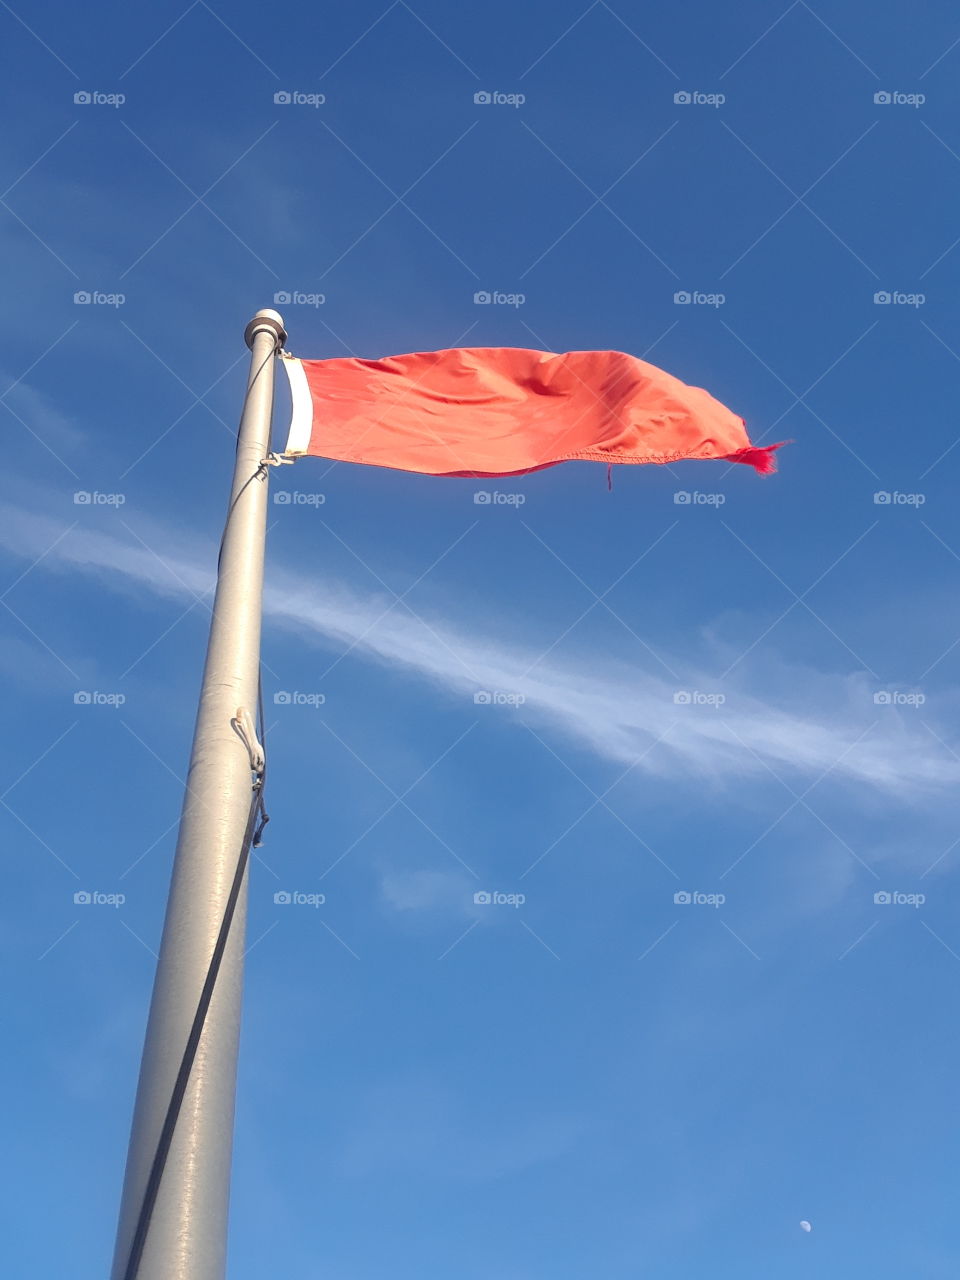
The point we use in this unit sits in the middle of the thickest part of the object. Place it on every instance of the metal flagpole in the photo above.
(173, 1213)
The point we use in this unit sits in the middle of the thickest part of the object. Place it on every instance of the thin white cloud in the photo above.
(617, 711)
(426, 891)
(35, 410)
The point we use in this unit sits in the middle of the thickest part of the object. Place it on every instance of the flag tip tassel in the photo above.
(762, 459)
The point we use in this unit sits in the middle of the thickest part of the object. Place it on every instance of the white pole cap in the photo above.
(266, 319)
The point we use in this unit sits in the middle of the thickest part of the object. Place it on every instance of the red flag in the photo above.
(496, 411)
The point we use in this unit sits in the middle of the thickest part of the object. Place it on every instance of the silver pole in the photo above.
(186, 1239)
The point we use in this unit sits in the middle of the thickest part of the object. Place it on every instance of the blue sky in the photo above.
(749, 695)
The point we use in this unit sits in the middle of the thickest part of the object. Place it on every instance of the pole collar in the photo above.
(268, 320)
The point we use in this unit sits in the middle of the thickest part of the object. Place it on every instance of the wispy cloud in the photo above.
(36, 411)
(809, 724)
(415, 892)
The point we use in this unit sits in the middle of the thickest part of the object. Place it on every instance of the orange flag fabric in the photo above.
(499, 411)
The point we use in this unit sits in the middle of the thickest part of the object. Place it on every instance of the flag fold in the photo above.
(476, 411)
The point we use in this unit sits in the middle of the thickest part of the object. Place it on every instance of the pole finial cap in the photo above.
(266, 319)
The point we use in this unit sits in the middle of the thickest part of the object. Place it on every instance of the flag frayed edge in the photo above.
(761, 458)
